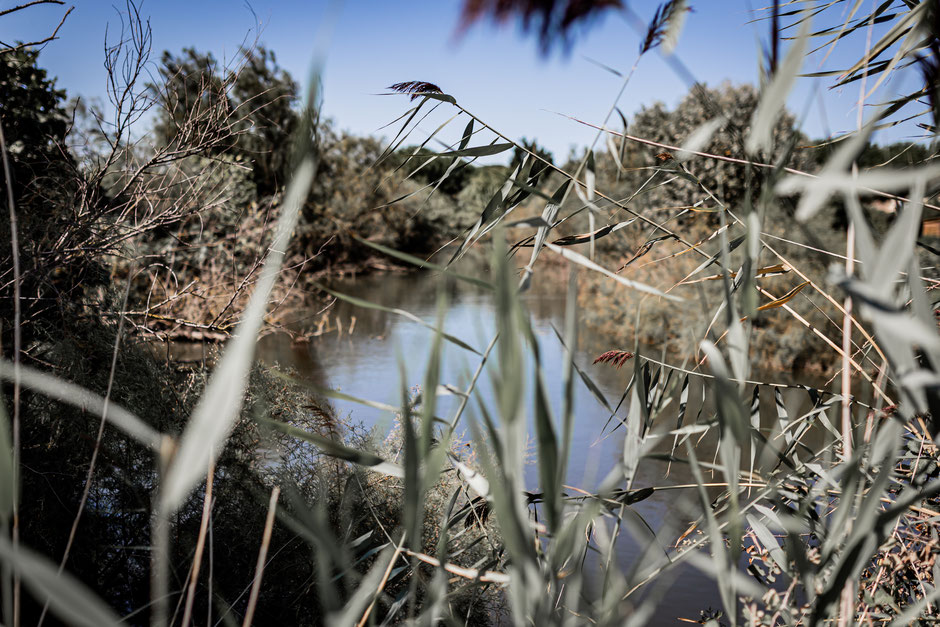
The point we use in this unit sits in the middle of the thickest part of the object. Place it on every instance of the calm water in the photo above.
(367, 362)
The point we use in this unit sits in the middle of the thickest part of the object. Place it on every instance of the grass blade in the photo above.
(359, 302)
(68, 598)
(217, 410)
(65, 392)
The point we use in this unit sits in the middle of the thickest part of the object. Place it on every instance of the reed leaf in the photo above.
(774, 98)
(336, 449)
(77, 396)
(68, 597)
(219, 406)
(783, 300)
(581, 260)
(699, 138)
(9, 487)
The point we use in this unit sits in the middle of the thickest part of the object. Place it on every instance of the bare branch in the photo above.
(15, 48)
(29, 4)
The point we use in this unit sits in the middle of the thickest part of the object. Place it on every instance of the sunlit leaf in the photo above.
(590, 265)
(774, 98)
(783, 300)
(699, 138)
(336, 449)
(218, 408)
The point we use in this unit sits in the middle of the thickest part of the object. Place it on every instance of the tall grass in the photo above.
(792, 526)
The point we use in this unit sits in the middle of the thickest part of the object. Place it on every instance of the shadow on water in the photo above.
(361, 352)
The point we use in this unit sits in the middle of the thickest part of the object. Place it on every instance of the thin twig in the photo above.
(29, 4)
(8, 49)
(381, 586)
(200, 545)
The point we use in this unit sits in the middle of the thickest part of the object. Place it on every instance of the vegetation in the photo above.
(710, 236)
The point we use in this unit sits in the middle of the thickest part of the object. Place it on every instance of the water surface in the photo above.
(364, 352)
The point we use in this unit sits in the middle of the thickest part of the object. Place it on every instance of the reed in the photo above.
(816, 516)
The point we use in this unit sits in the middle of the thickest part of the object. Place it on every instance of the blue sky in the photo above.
(494, 71)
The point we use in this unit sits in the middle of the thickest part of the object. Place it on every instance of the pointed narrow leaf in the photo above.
(218, 408)
(590, 265)
(68, 597)
(783, 300)
(336, 449)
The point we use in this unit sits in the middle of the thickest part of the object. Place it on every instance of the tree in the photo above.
(193, 96)
(727, 181)
(252, 102)
(43, 185)
(269, 94)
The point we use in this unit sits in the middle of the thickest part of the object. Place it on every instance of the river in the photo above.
(361, 352)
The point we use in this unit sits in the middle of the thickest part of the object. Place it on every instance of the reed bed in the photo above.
(827, 515)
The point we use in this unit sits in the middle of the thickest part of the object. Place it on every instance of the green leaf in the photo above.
(774, 98)
(336, 449)
(699, 138)
(218, 408)
(8, 472)
(590, 265)
(367, 590)
(478, 151)
(547, 446)
(588, 382)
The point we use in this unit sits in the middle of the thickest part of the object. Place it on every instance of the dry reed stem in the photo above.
(755, 164)
(200, 546)
(160, 540)
(17, 346)
(846, 349)
(381, 586)
(696, 544)
(573, 178)
(262, 556)
(816, 287)
(782, 301)
(473, 574)
(94, 454)
(847, 319)
(833, 345)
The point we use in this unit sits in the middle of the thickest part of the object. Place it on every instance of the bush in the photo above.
(49, 195)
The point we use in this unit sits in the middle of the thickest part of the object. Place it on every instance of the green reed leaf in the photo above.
(8, 472)
(581, 260)
(337, 449)
(774, 98)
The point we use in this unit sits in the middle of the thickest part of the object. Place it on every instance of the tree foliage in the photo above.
(198, 97)
(727, 181)
(44, 186)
